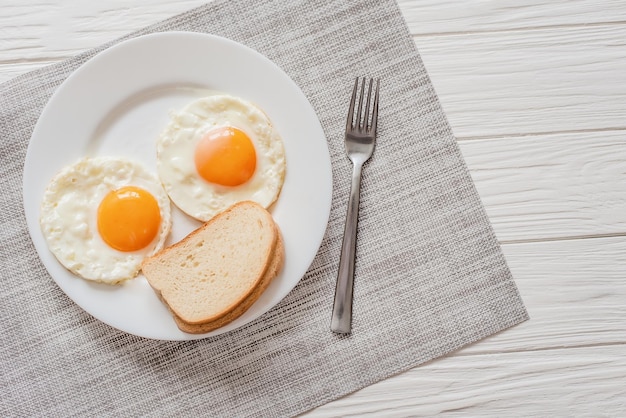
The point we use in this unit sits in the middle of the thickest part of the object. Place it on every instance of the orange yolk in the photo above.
(225, 156)
(128, 218)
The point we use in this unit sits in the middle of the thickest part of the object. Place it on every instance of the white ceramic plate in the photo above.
(118, 102)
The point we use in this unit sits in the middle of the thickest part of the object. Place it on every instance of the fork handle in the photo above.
(341, 321)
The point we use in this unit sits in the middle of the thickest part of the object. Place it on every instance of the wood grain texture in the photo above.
(428, 17)
(574, 291)
(536, 81)
(53, 29)
(535, 92)
(550, 186)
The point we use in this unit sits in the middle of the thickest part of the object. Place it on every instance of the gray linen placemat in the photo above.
(431, 277)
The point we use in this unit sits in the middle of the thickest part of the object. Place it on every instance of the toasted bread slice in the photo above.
(215, 268)
(278, 259)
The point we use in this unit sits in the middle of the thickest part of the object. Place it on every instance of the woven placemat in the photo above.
(430, 275)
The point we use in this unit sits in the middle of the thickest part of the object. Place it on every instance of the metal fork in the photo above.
(359, 143)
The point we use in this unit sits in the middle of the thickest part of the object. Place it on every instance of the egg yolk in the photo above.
(128, 218)
(225, 156)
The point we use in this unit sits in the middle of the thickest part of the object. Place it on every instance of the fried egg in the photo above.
(217, 151)
(102, 216)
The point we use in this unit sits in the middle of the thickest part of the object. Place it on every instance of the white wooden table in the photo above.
(535, 91)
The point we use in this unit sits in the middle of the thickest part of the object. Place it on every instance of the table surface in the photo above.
(535, 91)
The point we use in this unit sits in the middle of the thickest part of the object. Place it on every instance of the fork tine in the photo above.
(375, 111)
(366, 115)
(349, 122)
(358, 123)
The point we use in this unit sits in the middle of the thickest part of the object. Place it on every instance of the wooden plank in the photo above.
(574, 291)
(549, 186)
(587, 381)
(454, 16)
(520, 82)
(52, 29)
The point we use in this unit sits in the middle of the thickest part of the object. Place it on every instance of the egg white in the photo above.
(69, 217)
(176, 147)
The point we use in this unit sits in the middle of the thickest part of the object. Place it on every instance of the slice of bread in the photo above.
(217, 267)
(273, 269)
